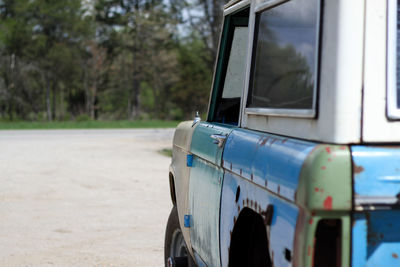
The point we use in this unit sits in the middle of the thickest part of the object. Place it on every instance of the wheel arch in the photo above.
(172, 187)
(249, 241)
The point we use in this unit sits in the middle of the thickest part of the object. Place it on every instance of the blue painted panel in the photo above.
(205, 195)
(376, 171)
(205, 191)
(282, 230)
(359, 242)
(271, 161)
(376, 238)
(203, 145)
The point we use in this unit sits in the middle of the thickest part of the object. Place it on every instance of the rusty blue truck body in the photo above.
(297, 162)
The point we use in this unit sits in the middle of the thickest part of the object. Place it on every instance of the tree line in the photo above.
(106, 59)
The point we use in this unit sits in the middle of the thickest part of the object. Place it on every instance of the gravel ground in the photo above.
(83, 197)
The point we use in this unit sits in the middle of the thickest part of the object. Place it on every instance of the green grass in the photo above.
(25, 125)
(166, 152)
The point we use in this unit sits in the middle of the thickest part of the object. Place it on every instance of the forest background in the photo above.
(63, 60)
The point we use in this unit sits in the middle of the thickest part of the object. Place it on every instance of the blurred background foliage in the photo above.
(64, 60)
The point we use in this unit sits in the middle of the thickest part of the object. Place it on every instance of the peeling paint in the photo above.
(328, 203)
(264, 141)
(358, 169)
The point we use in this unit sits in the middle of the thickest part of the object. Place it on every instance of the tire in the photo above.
(174, 243)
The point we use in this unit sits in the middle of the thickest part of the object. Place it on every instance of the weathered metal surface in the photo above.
(181, 173)
(183, 135)
(304, 242)
(324, 192)
(376, 173)
(203, 144)
(376, 238)
(205, 191)
(317, 178)
(205, 195)
(325, 181)
(271, 161)
(282, 224)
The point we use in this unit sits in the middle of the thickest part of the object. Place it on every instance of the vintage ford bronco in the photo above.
(298, 160)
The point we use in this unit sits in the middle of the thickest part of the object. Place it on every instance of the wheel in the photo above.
(174, 244)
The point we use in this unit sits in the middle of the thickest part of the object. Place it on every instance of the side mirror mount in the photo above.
(196, 119)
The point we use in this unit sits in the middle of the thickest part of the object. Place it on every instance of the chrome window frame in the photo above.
(299, 113)
(393, 112)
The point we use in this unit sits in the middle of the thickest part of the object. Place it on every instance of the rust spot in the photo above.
(329, 159)
(308, 250)
(243, 203)
(321, 190)
(247, 201)
(394, 255)
(251, 177)
(284, 140)
(273, 141)
(323, 168)
(238, 208)
(264, 141)
(342, 148)
(328, 203)
(328, 150)
(310, 221)
(358, 169)
(313, 213)
(316, 189)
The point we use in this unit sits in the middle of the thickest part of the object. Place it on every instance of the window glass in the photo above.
(235, 73)
(230, 72)
(285, 58)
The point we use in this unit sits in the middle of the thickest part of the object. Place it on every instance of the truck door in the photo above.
(209, 138)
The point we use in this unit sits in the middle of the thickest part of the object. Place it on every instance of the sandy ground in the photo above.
(83, 197)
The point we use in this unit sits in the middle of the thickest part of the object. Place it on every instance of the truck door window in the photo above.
(284, 70)
(230, 71)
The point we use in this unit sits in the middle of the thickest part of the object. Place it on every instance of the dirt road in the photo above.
(83, 197)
